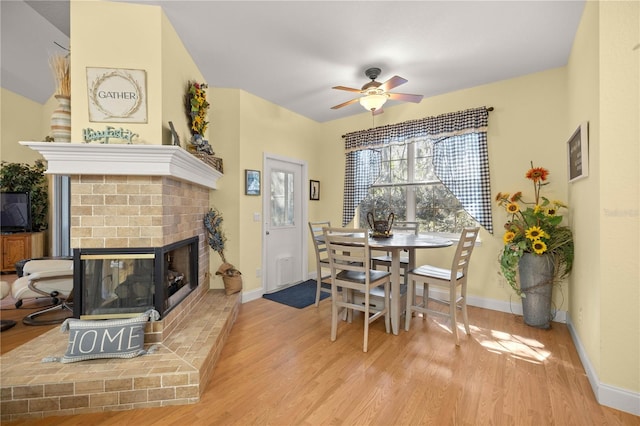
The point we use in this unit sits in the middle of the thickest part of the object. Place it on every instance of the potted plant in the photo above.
(20, 177)
(538, 249)
(231, 277)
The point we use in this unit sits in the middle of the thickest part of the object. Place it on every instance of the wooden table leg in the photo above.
(396, 309)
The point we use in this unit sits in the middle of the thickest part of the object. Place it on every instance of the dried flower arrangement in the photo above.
(60, 67)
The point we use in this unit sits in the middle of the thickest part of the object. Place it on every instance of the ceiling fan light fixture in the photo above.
(373, 102)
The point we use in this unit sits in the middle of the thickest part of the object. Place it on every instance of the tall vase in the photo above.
(61, 120)
(536, 280)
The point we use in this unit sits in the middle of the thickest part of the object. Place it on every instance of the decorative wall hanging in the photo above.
(117, 95)
(90, 135)
(578, 153)
(314, 190)
(197, 107)
(252, 182)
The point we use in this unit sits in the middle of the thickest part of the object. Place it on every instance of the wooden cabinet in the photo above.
(22, 245)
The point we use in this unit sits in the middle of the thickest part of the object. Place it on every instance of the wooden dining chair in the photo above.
(349, 260)
(322, 259)
(385, 259)
(453, 280)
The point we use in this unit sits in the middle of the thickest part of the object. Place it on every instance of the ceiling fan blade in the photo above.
(348, 89)
(345, 103)
(405, 97)
(394, 81)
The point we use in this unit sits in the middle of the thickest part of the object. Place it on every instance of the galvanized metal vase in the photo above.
(536, 280)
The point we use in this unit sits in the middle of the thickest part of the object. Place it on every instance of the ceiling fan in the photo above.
(376, 94)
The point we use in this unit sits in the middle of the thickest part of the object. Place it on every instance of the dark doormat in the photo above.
(298, 296)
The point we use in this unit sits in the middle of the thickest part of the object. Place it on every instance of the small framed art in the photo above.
(578, 153)
(314, 190)
(252, 182)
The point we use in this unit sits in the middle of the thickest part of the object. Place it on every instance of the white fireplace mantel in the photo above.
(123, 159)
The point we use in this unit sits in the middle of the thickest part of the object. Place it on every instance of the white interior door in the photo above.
(284, 214)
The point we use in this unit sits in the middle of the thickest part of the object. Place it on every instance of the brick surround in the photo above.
(142, 211)
(126, 196)
(135, 211)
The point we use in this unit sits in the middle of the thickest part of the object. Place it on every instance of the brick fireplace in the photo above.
(135, 196)
(128, 197)
(128, 212)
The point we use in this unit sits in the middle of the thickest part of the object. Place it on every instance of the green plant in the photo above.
(20, 177)
(534, 227)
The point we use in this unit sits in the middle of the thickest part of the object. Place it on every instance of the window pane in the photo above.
(382, 201)
(423, 163)
(282, 198)
(439, 211)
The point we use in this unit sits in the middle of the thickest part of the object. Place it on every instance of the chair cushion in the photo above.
(434, 272)
(63, 285)
(359, 277)
(47, 265)
(5, 289)
(49, 275)
(118, 338)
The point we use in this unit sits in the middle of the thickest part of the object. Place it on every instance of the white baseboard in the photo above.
(248, 296)
(609, 396)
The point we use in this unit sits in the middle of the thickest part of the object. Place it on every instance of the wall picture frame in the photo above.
(251, 182)
(578, 153)
(117, 95)
(314, 190)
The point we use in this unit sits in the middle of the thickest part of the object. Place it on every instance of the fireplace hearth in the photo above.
(124, 282)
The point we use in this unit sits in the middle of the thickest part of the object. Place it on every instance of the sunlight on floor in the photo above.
(499, 342)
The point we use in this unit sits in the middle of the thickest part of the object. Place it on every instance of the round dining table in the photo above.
(395, 244)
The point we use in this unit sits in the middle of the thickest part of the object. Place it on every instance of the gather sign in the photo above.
(117, 95)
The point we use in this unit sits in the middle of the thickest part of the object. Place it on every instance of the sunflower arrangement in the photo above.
(197, 107)
(534, 227)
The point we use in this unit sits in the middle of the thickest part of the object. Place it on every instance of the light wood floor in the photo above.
(279, 367)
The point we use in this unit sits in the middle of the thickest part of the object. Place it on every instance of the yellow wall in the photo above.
(22, 119)
(604, 89)
(101, 43)
(178, 68)
(619, 182)
(584, 195)
(260, 127)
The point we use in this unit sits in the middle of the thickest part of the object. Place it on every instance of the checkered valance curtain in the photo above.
(461, 159)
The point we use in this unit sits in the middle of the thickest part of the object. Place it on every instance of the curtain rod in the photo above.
(488, 109)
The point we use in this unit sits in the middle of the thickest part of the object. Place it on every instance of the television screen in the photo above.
(15, 212)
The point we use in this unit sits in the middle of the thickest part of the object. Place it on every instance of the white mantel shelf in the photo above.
(125, 160)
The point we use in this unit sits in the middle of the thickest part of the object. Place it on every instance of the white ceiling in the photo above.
(292, 52)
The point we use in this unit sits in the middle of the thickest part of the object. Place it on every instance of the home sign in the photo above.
(117, 95)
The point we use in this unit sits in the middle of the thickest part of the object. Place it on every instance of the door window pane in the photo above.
(282, 197)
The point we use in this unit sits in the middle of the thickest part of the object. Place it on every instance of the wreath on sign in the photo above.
(116, 73)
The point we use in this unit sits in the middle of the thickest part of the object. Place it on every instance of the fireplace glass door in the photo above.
(112, 282)
(117, 285)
